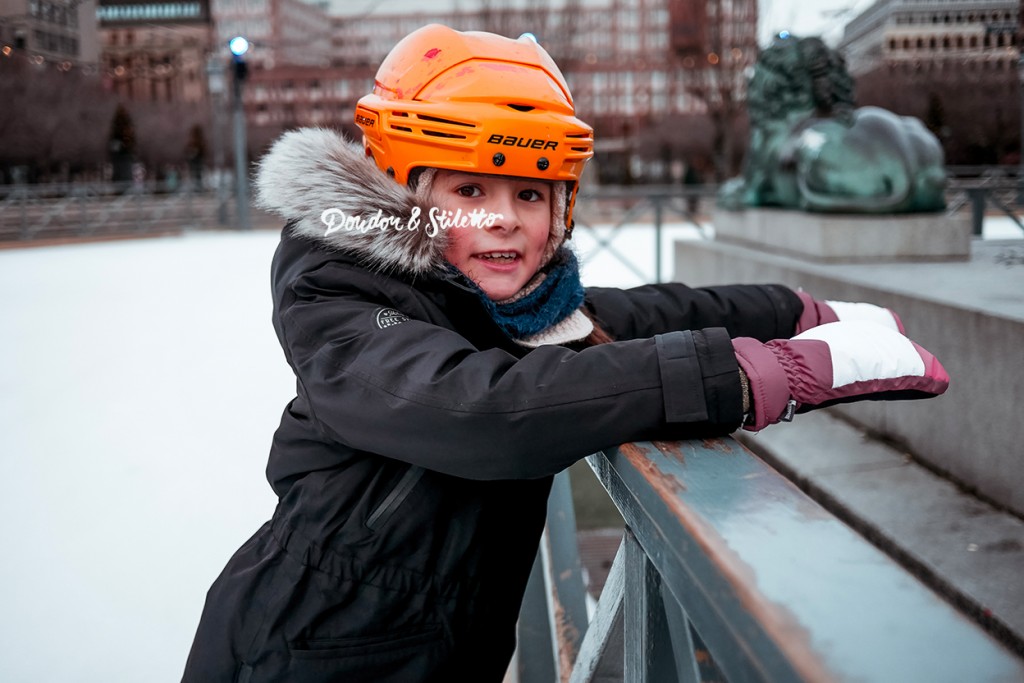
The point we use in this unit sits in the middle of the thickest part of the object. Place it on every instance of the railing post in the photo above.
(648, 646)
(601, 653)
(534, 637)
(977, 197)
(553, 619)
(563, 577)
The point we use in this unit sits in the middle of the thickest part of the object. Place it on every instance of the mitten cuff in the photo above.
(769, 385)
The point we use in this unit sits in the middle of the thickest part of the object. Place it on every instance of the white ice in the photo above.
(140, 385)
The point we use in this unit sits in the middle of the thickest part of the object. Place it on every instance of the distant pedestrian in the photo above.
(449, 363)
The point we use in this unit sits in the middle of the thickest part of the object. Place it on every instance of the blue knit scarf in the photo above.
(555, 298)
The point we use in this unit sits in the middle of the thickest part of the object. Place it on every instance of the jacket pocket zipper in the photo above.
(397, 496)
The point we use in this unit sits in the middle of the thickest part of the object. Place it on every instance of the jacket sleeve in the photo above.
(763, 312)
(421, 393)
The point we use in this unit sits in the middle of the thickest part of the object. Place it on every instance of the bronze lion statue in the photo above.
(810, 149)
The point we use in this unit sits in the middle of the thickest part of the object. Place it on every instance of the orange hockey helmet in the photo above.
(474, 102)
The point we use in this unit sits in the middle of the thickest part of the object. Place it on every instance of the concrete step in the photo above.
(966, 549)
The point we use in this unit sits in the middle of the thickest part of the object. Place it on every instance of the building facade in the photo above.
(154, 51)
(59, 31)
(630, 64)
(280, 32)
(934, 34)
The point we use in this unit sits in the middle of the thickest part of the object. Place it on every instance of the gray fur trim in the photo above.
(311, 170)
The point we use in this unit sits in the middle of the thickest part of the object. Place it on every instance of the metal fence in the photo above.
(88, 210)
(985, 195)
(728, 572)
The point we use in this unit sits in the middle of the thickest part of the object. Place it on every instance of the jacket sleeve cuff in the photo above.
(700, 377)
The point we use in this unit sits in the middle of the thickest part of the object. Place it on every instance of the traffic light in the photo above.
(239, 46)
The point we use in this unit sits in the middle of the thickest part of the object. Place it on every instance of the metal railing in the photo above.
(85, 210)
(985, 194)
(728, 572)
(30, 212)
(650, 204)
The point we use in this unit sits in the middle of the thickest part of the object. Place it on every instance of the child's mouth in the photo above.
(499, 256)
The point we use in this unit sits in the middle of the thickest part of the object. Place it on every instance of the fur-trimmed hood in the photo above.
(311, 171)
(316, 179)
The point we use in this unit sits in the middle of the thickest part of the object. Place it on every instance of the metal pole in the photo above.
(1020, 163)
(215, 84)
(218, 160)
(241, 174)
(657, 239)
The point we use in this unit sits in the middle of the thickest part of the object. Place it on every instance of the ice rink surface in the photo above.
(140, 385)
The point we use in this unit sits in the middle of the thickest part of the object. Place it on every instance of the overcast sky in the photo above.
(801, 17)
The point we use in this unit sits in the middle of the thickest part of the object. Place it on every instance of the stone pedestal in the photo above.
(848, 238)
(970, 314)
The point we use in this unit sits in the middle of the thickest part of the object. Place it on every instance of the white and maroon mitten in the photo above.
(834, 363)
(821, 312)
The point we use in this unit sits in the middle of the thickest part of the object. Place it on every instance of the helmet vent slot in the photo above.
(580, 149)
(435, 119)
(521, 107)
(401, 128)
(439, 134)
(400, 113)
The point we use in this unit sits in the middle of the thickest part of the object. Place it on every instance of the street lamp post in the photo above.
(215, 84)
(1020, 163)
(239, 46)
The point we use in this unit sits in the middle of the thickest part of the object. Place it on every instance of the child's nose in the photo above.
(505, 207)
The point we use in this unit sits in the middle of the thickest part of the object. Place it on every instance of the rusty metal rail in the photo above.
(728, 572)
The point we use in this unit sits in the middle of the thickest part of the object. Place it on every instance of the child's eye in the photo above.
(531, 195)
(468, 191)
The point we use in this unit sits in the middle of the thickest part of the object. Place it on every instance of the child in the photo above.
(449, 362)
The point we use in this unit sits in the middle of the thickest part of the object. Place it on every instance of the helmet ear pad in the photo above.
(559, 232)
(421, 181)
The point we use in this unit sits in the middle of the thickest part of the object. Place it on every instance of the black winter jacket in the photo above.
(414, 464)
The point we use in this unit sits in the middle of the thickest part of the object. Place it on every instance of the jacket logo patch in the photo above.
(389, 317)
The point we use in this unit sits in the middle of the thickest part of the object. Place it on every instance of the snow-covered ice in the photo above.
(140, 385)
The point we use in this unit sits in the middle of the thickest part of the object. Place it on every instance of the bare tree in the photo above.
(715, 65)
(973, 108)
(57, 119)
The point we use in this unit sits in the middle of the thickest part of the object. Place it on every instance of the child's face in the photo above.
(503, 257)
